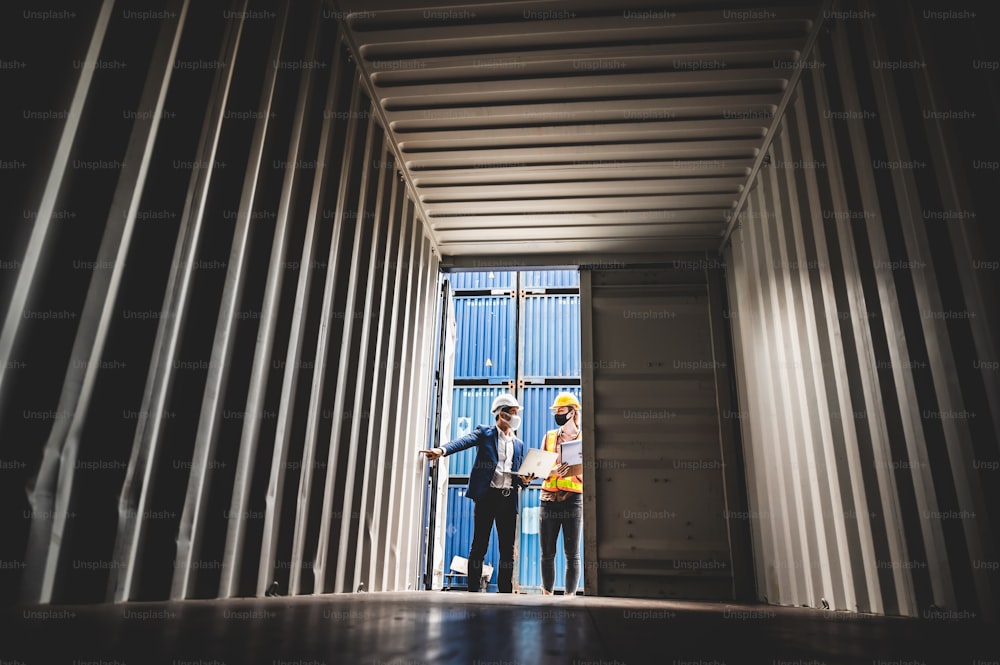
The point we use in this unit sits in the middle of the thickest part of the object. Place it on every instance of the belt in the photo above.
(504, 491)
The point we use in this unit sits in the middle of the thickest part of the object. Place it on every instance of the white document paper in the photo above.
(572, 452)
(537, 462)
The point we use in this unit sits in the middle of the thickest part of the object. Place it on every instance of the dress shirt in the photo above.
(505, 457)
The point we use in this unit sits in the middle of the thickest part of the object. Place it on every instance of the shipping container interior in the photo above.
(257, 270)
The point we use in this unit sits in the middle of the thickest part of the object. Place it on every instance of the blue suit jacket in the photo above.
(485, 439)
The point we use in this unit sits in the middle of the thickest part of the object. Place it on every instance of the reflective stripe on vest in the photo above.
(554, 482)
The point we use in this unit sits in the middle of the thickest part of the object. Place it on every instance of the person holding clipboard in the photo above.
(562, 495)
(494, 485)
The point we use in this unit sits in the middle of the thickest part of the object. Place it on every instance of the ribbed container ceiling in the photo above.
(548, 127)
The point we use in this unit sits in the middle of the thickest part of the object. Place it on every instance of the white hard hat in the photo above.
(504, 400)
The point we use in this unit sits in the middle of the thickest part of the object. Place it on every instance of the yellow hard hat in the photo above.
(566, 399)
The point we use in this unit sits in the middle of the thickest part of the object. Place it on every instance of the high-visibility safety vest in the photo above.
(554, 482)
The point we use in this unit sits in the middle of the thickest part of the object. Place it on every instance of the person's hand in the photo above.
(528, 479)
(562, 470)
(433, 453)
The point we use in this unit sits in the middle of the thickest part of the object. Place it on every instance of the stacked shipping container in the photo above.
(514, 331)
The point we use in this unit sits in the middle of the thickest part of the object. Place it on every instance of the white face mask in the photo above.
(513, 421)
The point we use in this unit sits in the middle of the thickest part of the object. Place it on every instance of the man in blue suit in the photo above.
(494, 486)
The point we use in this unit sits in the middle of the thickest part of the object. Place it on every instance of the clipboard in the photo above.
(537, 462)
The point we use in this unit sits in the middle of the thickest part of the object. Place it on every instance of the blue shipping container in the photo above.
(489, 279)
(551, 336)
(485, 348)
(550, 279)
(484, 344)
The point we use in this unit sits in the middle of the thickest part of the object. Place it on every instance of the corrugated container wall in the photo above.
(863, 278)
(261, 289)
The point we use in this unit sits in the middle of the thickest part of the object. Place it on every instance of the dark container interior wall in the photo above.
(665, 511)
(272, 256)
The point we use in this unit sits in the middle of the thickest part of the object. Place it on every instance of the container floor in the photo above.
(411, 628)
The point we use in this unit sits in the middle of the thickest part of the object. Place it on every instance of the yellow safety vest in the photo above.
(554, 482)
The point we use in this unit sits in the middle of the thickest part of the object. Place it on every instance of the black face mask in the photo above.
(563, 418)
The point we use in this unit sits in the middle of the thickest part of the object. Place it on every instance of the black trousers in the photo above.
(494, 507)
(567, 515)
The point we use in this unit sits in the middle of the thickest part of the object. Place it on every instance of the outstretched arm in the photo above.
(461, 443)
